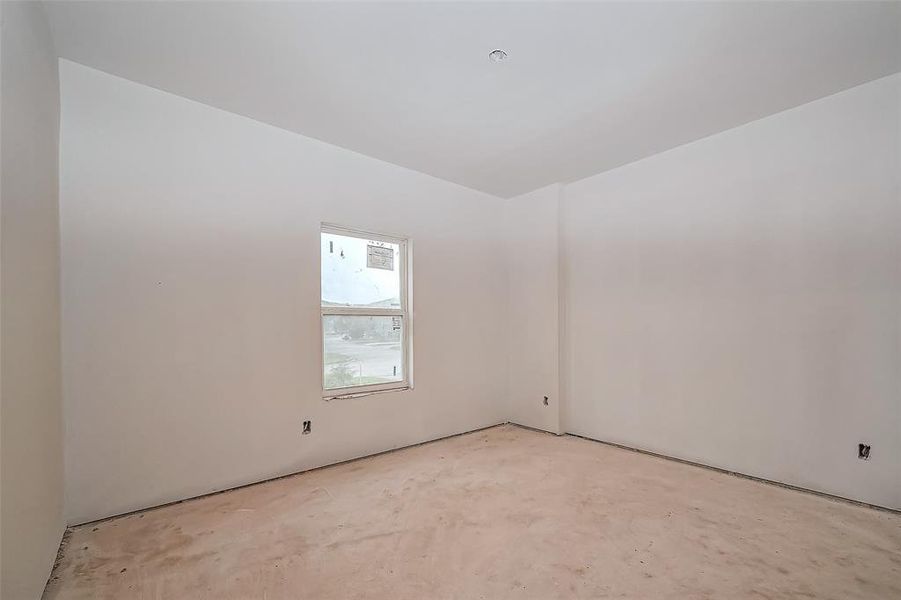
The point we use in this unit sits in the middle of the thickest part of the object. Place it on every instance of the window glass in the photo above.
(362, 350)
(357, 272)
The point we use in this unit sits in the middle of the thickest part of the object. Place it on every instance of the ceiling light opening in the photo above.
(497, 56)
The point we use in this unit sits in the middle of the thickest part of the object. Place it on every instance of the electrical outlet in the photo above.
(863, 452)
(307, 427)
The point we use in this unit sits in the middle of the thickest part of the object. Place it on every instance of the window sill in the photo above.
(351, 395)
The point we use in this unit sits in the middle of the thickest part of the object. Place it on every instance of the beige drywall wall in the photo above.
(737, 301)
(31, 450)
(190, 245)
(531, 224)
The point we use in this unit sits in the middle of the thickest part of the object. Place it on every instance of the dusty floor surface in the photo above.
(501, 513)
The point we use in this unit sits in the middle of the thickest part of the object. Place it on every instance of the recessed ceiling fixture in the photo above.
(497, 56)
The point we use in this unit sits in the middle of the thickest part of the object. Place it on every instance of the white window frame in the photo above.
(405, 312)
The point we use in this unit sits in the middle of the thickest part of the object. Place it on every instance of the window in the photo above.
(365, 312)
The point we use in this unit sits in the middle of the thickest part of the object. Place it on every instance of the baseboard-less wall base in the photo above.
(787, 486)
(67, 533)
(530, 428)
(613, 444)
(285, 476)
(832, 497)
(63, 542)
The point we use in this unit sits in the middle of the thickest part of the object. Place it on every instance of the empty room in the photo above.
(450, 300)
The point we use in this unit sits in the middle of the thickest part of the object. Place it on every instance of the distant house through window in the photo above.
(365, 319)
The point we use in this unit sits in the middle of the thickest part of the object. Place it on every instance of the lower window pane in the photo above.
(362, 350)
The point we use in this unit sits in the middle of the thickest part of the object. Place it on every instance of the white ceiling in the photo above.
(587, 87)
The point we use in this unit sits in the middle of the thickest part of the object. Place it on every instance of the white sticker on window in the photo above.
(379, 257)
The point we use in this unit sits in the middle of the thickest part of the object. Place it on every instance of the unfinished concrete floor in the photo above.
(501, 513)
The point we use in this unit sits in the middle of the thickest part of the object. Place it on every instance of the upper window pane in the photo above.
(359, 272)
